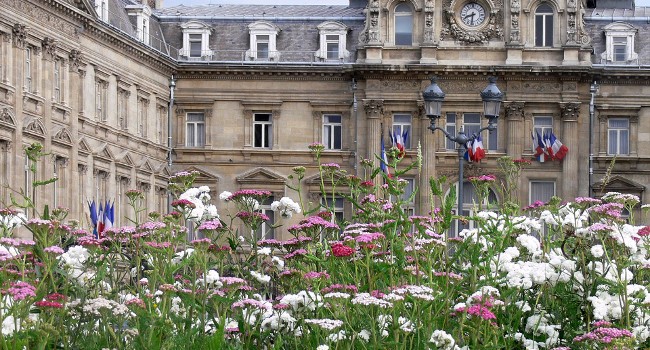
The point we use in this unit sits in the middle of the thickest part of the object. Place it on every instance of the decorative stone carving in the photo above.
(400, 85)
(515, 110)
(19, 34)
(6, 116)
(82, 169)
(492, 30)
(515, 12)
(429, 7)
(373, 108)
(5, 145)
(75, 58)
(570, 110)
(49, 48)
(373, 36)
(180, 111)
(571, 27)
(53, 23)
(6, 36)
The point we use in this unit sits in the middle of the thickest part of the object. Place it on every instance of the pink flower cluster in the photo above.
(313, 221)
(316, 274)
(249, 216)
(21, 290)
(182, 203)
(340, 288)
(483, 178)
(341, 251)
(604, 335)
(248, 193)
(210, 225)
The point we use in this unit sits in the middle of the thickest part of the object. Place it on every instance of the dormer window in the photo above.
(544, 26)
(403, 24)
(142, 14)
(263, 36)
(196, 38)
(101, 7)
(619, 44)
(332, 42)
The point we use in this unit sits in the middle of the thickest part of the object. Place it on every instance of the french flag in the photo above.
(109, 211)
(399, 141)
(384, 158)
(559, 150)
(100, 221)
(540, 150)
(92, 207)
(478, 152)
(548, 145)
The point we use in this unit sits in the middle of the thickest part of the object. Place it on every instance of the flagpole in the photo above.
(461, 160)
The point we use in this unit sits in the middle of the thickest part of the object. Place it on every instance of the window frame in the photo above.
(618, 131)
(468, 208)
(540, 181)
(333, 128)
(195, 131)
(542, 128)
(27, 69)
(258, 29)
(401, 125)
(546, 19)
(196, 28)
(266, 229)
(266, 130)
(625, 33)
(398, 16)
(101, 6)
(101, 99)
(332, 29)
(57, 80)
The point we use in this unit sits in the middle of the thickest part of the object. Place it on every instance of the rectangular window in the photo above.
(142, 117)
(450, 127)
(266, 230)
(544, 29)
(332, 131)
(402, 128)
(56, 81)
(28, 69)
(262, 47)
(332, 45)
(472, 124)
(100, 100)
(196, 43)
(335, 206)
(542, 126)
(122, 104)
(541, 191)
(263, 130)
(620, 49)
(195, 130)
(618, 136)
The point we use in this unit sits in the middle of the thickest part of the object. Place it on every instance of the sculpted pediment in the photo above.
(261, 176)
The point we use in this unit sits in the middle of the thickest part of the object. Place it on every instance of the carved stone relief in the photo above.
(491, 31)
(75, 58)
(19, 34)
(49, 48)
(428, 21)
(515, 110)
(570, 110)
(373, 108)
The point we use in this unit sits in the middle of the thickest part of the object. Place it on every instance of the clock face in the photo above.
(472, 14)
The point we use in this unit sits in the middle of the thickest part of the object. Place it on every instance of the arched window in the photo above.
(470, 203)
(544, 26)
(403, 24)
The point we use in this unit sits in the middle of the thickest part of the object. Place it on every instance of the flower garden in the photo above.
(557, 275)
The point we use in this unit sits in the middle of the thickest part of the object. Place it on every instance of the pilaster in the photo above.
(570, 111)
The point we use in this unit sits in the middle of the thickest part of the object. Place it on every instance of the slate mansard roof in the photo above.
(268, 12)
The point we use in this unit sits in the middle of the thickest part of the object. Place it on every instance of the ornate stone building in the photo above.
(254, 85)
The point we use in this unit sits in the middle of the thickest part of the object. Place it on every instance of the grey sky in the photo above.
(170, 3)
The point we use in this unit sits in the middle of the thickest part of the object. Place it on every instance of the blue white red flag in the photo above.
(478, 152)
(559, 150)
(384, 158)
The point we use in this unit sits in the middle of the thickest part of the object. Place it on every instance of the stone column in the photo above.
(570, 113)
(428, 143)
(7, 54)
(374, 110)
(514, 123)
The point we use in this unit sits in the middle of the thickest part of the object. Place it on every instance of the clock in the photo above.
(472, 14)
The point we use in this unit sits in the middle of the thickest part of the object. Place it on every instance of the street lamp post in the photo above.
(433, 98)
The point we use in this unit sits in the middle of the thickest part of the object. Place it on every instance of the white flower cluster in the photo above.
(279, 320)
(286, 206)
(261, 278)
(12, 221)
(182, 255)
(211, 279)
(95, 307)
(443, 340)
(200, 197)
(367, 299)
(538, 324)
(304, 300)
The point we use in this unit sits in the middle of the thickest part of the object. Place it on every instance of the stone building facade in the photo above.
(254, 85)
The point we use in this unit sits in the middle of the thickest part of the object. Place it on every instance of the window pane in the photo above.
(200, 135)
(472, 118)
(333, 118)
(267, 135)
(539, 31)
(332, 50)
(195, 49)
(493, 136)
(194, 117)
(403, 25)
(450, 127)
(190, 135)
(402, 118)
(541, 191)
(262, 117)
(548, 29)
(618, 123)
(337, 137)
(258, 135)
(624, 142)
